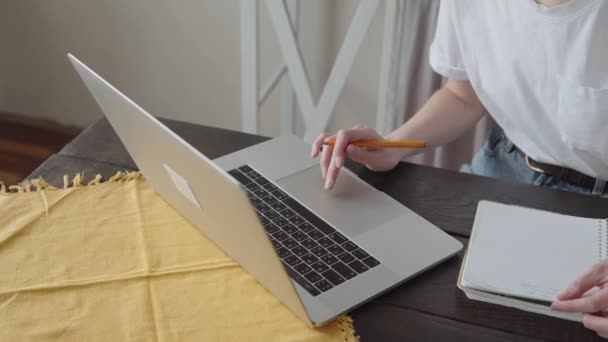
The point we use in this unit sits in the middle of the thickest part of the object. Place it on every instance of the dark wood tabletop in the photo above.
(428, 307)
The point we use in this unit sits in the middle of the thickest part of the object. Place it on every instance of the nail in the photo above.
(328, 184)
(339, 162)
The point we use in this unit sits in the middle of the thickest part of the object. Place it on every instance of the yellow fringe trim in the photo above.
(78, 181)
(345, 322)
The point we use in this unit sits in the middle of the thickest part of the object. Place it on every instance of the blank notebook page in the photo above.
(528, 253)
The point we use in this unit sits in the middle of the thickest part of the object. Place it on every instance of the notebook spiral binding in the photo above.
(602, 239)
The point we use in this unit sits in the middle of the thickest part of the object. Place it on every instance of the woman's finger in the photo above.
(589, 304)
(326, 157)
(589, 279)
(597, 324)
(338, 157)
(317, 145)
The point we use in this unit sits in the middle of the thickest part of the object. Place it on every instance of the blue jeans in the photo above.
(499, 158)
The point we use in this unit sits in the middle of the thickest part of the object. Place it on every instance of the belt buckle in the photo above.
(535, 168)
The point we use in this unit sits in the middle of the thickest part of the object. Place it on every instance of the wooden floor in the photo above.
(24, 146)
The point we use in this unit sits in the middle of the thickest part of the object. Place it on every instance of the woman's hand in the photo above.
(592, 306)
(333, 157)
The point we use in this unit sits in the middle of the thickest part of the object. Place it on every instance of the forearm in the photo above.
(446, 116)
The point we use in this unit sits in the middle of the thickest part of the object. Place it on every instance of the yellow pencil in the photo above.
(383, 144)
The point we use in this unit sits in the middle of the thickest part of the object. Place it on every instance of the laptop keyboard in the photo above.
(314, 254)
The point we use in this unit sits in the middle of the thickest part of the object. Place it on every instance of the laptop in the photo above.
(321, 253)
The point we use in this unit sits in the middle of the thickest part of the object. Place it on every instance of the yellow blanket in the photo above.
(114, 262)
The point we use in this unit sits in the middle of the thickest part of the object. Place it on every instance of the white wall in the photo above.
(178, 59)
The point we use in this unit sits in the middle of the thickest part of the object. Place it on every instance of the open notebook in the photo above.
(523, 258)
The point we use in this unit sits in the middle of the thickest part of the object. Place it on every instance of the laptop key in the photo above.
(324, 227)
(254, 200)
(302, 268)
(303, 282)
(245, 168)
(252, 187)
(271, 214)
(313, 277)
(326, 242)
(309, 243)
(261, 193)
(269, 200)
(371, 262)
(278, 206)
(289, 243)
(293, 260)
(264, 221)
(299, 251)
(283, 252)
(350, 246)
(280, 195)
(333, 277)
(309, 259)
(338, 238)
(306, 227)
(318, 251)
(315, 234)
(346, 258)
(336, 250)
(297, 220)
(329, 259)
(276, 244)
(280, 221)
(290, 229)
(262, 181)
(288, 213)
(240, 177)
(253, 174)
(358, 266)
(271, 228)
(360, 254)
(343, 270)
(269, 187)
(320, 267)
(280, 235)
(299, 236)
(261, 207)
(323, 285)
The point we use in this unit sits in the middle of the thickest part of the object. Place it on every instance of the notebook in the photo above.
(523, 258)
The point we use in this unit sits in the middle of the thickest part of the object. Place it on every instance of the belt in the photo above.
(565, 174)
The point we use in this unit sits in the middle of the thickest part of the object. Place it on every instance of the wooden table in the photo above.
(430, 306)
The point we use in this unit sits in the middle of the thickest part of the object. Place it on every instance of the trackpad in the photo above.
(353, 206)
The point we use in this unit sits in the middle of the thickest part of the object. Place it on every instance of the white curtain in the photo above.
(413, 82)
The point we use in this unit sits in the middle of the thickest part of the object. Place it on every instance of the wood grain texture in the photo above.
(429, 306)
(387, 323)
(25, 144)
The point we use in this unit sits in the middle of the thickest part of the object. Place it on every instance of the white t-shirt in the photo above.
(541, 72)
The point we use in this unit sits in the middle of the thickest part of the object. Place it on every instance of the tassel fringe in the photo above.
(78, 181)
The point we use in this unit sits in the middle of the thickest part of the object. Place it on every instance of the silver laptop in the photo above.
(321, 253)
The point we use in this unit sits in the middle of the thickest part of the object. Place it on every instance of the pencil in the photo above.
(382, 144)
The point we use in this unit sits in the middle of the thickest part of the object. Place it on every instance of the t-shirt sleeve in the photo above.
(445, 54)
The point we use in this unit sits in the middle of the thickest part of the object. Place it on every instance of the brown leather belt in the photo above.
(568, 175)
